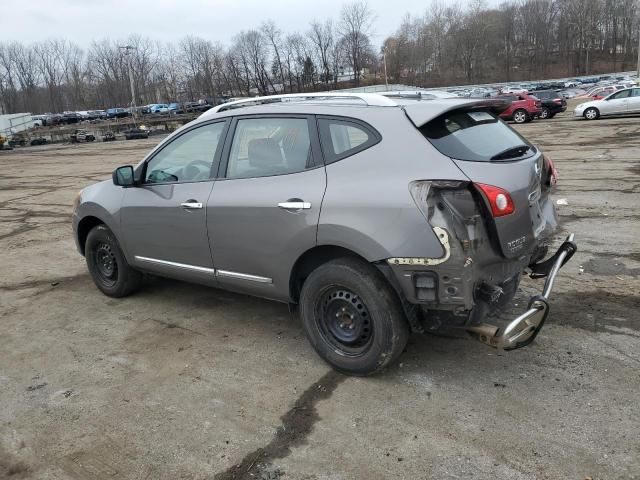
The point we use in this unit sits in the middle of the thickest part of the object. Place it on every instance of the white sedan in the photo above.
(626, 101)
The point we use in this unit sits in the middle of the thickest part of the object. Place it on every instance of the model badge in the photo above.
(516, 244)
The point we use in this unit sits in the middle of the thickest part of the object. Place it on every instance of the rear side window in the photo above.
(342, 138)
(475, 136)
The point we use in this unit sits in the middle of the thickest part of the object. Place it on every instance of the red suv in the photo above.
(523, 108)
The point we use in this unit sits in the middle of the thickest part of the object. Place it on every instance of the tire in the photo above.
(107, 265)
(352, 317)
(545, 113)
(520, 116)
(591, 113)
(552, 115)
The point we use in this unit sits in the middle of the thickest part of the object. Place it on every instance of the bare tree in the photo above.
(322, 38)
(356, 20)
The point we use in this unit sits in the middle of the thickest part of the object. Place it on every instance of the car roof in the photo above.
(418, 109)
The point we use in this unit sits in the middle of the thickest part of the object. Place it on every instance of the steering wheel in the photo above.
(192, 172)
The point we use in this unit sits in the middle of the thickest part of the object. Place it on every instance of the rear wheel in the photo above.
(106, 263)
(352, 317)
(520, 116)
(545, 113)
(591, 113)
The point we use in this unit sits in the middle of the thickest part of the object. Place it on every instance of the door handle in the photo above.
(191, 205)
(295, 205)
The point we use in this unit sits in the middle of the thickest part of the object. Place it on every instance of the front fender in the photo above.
(102, 201)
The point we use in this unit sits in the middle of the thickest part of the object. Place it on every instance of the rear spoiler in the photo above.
(421, 113)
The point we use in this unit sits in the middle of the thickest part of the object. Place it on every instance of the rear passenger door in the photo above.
(264, 209)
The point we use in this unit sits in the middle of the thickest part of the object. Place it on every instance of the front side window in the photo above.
(269, 146)
(342, 138)
(188, 158)
(636, 92)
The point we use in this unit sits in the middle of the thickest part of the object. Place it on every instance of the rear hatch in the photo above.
(492, 154)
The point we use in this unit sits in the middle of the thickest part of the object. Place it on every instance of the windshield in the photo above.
(476, 136)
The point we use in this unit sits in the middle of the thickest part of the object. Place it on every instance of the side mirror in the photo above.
(123, 176)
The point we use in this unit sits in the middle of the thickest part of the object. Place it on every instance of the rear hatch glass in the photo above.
(476, 136)
(490, 152)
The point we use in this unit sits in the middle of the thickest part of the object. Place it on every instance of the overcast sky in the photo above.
(168, 20)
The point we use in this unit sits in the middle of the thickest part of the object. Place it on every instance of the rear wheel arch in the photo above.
(312, 259)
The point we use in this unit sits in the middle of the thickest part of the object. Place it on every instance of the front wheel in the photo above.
(107, 265)
(591, 113)
(520, 116)
(352, 317)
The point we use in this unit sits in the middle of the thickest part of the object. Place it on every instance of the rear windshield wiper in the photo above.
(511, 152)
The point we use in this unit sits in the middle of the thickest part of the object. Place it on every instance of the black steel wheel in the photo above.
(344, 321)
(353, 317)
(107, 264)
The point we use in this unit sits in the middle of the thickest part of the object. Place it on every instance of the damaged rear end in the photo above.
(493, 226)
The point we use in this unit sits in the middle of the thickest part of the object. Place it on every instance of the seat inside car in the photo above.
(265, 157)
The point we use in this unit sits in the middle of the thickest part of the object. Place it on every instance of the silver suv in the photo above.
(373, 215)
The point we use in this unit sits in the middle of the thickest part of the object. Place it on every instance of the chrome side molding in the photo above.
(211, 271)
(242, 276)
(184, 266)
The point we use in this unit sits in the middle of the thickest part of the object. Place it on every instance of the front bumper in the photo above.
(521, 331)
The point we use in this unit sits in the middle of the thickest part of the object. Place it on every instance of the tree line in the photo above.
(446, 44)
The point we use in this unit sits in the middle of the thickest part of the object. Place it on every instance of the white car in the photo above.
(514, 89)
(626, 101)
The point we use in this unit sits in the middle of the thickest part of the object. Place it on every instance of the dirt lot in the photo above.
(185, 382)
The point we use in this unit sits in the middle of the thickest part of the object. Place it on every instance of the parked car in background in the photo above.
(136, 133)
(159, 108)
(513, 89)
(552, 103)
(17, 141)
(522, 107)
(289, 208)
(108, 137)
(38, 141)
(572, 92)
(622, 102)
(117, 113)
(71, 117)
(81, 136)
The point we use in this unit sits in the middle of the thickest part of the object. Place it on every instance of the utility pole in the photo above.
(638, 68)
(384, 58)
(127, 52)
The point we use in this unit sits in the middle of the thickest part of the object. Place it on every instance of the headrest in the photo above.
(264, 152)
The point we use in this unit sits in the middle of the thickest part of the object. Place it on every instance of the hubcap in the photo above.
(545, 113)
(520, 117)
(106, 263)
(591, 114)
(344, 322)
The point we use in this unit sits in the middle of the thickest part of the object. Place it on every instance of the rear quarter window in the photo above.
(341, 137)
(475, 136)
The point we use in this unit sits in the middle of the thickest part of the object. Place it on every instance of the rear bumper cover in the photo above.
(522, 330)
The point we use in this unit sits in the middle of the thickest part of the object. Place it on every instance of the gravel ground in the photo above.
(184, 382)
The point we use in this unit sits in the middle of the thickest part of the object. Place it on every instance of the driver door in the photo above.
(616, 103)
(164, 218)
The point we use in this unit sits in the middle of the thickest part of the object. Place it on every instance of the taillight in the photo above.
(557, 100)
(499, 199)
(551, 169)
